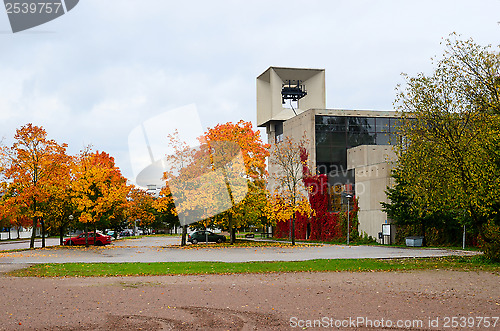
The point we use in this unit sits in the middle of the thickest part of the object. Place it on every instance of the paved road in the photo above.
(25, 243)
(159, 249)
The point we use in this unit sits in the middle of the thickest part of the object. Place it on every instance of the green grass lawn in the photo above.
(475, 263)
(244, 243)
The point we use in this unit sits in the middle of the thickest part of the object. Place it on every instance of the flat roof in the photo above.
(356, 112)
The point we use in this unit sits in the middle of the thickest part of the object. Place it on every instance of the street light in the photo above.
(463, 239)
(348, 196)
(70, 217)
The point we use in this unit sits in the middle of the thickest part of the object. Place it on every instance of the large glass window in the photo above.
(361, 124)
(336, 134)
(360, 138)
(383, 125)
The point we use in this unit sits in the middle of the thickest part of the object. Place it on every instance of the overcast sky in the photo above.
(96, 73)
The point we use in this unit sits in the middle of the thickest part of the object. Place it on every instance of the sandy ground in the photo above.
(254, 302)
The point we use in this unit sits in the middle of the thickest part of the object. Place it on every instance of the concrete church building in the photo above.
(353, 147)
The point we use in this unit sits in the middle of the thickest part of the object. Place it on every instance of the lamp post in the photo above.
(348, 196)
(463, 239)
(68, 230)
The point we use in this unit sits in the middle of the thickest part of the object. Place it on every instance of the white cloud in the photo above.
(94, 74)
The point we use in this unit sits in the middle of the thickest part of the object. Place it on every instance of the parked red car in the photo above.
(100, 239)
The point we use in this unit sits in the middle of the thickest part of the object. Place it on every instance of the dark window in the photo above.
(361, 124)
(338, 139)
(278, 134)
(323, 153)
(335, 134)
(360, 138)
(383, 125)
(396, 123)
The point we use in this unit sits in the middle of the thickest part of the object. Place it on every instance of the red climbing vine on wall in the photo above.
(324, 225)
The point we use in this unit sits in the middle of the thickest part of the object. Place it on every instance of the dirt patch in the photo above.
(248, 302)
(188, 318)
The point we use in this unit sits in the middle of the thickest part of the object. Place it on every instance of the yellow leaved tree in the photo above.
(289, 193)
(30, 168)
(99, 188)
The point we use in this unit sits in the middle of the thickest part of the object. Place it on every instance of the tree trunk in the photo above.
(33, 232)
(42, 222)
(184, 233)
(61, 235)
(232, 235)
(35, 223)
(293, 229)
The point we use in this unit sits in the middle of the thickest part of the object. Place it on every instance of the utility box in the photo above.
(414, 241)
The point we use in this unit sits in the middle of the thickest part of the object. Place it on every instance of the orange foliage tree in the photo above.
(254, 153)
(99, 188)
(141, 207)
(59, 205)
(185, 188)
(30, 168)
(212, 180)
(12, 215)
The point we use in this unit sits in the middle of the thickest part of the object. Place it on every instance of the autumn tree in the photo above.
(206, 185)
(449, 159)
(214, 178)
(177, 176)
(247, 141)
(59, 206)
(30, 168)
(99, 188)
(12, 215)
(141, 207)
(289, 192)
(5, 219)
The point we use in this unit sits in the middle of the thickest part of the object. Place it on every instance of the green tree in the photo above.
(449, 158)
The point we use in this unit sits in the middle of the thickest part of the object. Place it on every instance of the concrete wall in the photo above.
(301, 127)
(372, 166)
(297, 128)
(269, 84)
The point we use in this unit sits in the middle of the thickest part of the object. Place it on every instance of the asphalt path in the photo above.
(166, 249)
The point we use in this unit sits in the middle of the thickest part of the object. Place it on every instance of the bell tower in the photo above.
(299, 89)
